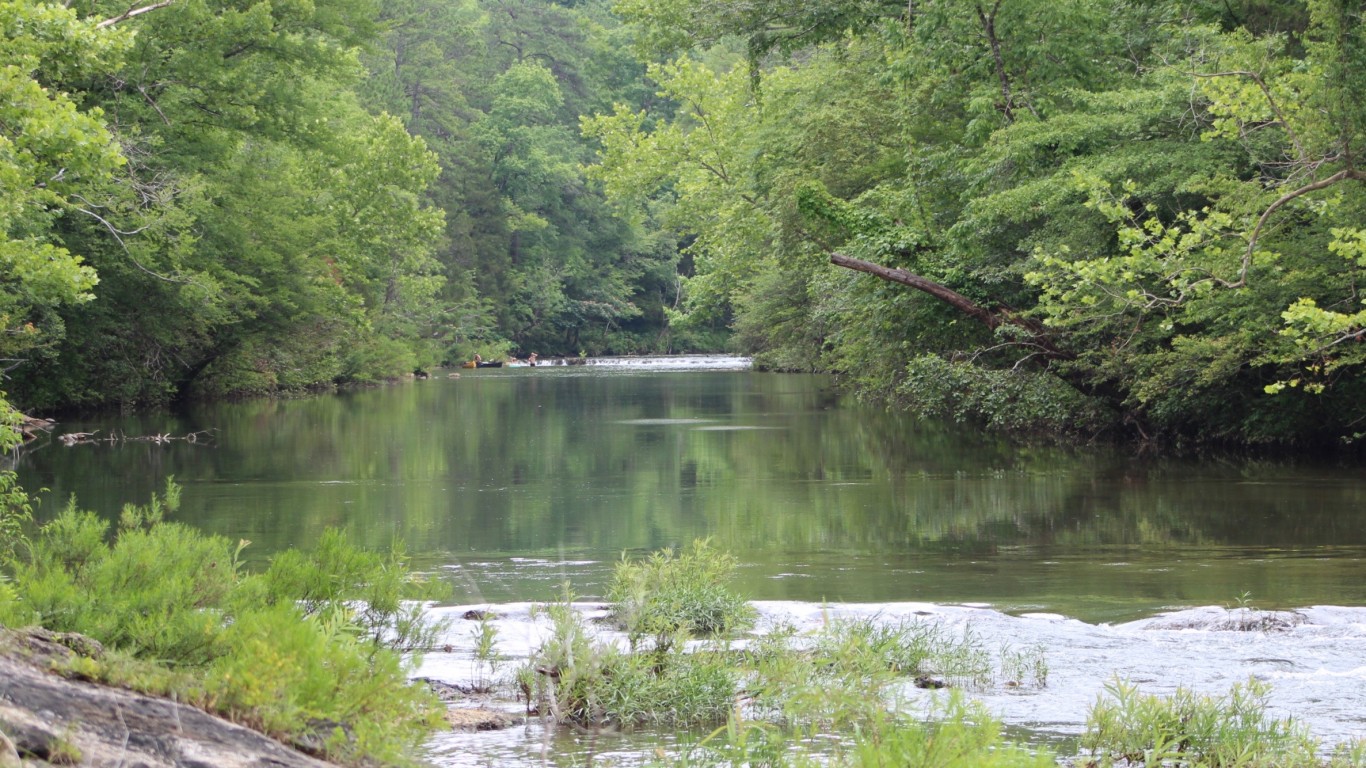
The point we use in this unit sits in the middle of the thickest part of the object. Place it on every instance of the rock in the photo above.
(1218, 619)
(925, 681)
(475, 614)
(59, 646)
(480, 719)
(447, 692)
(323, 733)
(48, 717)
(9, 756)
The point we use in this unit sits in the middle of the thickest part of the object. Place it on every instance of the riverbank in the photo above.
(51, 715)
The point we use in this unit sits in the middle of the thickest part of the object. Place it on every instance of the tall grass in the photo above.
(839, 695)
(681, 666)
(1233, 730)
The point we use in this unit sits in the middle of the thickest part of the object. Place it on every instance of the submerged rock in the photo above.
(1217, 619)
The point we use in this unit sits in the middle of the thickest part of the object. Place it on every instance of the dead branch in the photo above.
(159, 438)
(992, 319)
(1346, 173)
(131, 12)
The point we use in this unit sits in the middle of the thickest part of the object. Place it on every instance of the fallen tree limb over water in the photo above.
(89, 438)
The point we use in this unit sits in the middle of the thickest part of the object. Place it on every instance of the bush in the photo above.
(1008, 401)
(282, 676)
(666, 596)
(311, 640)
(667, 599)
(377, 358)
(264, 365)
(1197, 730)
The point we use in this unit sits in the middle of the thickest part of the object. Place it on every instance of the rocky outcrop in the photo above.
(47, 718)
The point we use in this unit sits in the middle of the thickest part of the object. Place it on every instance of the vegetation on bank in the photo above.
(309, 650)
(1146, 216)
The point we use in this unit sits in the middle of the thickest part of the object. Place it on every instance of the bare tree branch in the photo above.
(131, 12)
(1346, 173)
(992, 319)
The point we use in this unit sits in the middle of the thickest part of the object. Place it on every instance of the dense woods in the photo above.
(1079, 216)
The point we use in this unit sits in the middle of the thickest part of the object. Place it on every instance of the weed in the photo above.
(666, 596)
(1232, 730)
(1349, 755)
(960, 735)
(575, 678)
(486, 658)
(62, 748)
(1024, 667)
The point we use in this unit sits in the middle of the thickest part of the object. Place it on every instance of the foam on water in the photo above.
(660, 363)
(1314, 660)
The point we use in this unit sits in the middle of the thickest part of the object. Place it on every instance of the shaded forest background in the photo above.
(1077, 217)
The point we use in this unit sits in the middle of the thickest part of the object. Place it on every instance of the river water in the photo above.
(511, 482)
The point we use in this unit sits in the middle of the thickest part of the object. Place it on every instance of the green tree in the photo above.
(1151, 203)
(52, 154)
(227, 262)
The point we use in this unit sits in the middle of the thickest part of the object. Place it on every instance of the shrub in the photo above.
(580, 679)
(282, 676)
(312, 640)
(374, 358)
(665, 595)
(156, 592)
(1211, 731)
(1007, 401)
(301, 359)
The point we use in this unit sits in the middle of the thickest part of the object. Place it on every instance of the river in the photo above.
(511, 482)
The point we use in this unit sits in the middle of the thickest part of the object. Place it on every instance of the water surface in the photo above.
(514, 480)
(511, 482)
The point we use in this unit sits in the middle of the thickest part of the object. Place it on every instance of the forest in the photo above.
(1084, 218)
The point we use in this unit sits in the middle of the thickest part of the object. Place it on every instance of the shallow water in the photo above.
(1316, 670)
(509, 483)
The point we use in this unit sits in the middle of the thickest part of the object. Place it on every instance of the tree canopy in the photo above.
(1077, 216)
(1085, 214)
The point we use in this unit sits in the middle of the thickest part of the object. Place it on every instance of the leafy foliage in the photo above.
(1151, 204)
(1199, 730)
(666, 596)
(314, 638)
